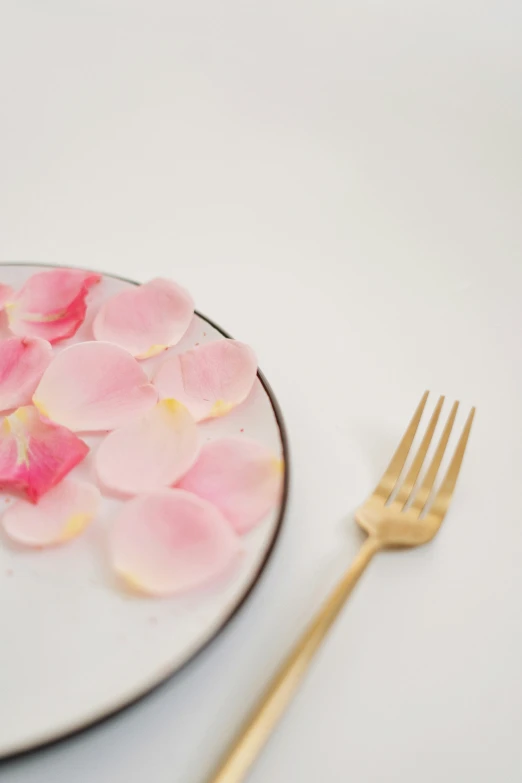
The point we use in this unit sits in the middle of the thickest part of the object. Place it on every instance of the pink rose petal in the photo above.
(147, 319)
(171, 541)
(36, 454)
(210, 379)
(6, 294)
(94, 386)
(51, 304)
(240, 477)
(22, 363)
(151, 452)
(61, 514)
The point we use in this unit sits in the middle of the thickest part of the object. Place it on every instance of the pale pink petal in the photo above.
(51, 304)
(146, 319)
(210, 379)
(151, 452)
(171, 541)
(61, 514)
(36, 454)
(94, 386)
(22, 363)
(240, 477)
(6, 294)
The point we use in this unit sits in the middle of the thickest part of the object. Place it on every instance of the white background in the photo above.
(339, 183)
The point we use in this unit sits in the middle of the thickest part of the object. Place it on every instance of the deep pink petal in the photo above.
(94, 386)
(151, 452)
(61, 514)
(240, 477)
(171, 541)
(210, 379)
(51, 304)
(147, 319)
(36, 454)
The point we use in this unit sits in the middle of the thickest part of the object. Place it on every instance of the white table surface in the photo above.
(341, 185)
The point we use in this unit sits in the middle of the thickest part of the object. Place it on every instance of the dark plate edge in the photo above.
(245, 596)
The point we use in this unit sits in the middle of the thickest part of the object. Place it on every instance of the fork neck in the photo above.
(344, 587)
(371, 546)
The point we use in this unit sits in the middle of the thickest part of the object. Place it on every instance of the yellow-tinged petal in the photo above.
(132, 583)
(61, 514)
(152, 351)
(16, 426)
(75, 525)
(240, 477)
(171, 541)
(210, 379)
(278, 465)
(51, 304)
(172, 405)
(220, 408)
(151, 452)
(42, 410)
(146, 319)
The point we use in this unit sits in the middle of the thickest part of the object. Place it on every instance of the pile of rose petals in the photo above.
(186, 504)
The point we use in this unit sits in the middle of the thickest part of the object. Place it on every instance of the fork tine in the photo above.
(443, 497)
(413, 474)
(388, 481)
(431, 474)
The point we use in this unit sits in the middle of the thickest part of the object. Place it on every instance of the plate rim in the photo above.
(107, 715)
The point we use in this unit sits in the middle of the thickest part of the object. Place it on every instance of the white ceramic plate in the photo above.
(73, 647)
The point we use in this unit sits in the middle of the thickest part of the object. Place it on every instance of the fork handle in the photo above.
(258, 727)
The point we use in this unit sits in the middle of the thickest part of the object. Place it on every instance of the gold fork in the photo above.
(389, 523)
